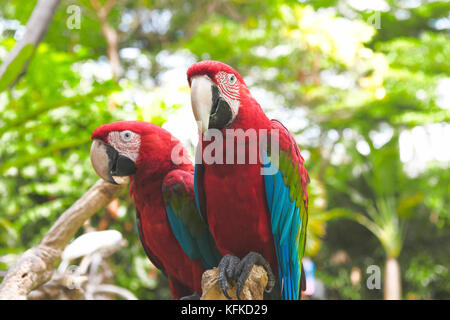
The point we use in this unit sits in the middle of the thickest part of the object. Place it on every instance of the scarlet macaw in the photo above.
(258, 218)
(173, 234)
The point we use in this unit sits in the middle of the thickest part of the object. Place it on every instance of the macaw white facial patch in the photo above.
(126, 143)
(229, 88)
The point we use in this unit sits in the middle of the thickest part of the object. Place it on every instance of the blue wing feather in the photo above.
(286, 225)
(286, 231)
(279, 194)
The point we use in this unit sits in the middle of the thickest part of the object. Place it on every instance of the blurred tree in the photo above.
(381, 194)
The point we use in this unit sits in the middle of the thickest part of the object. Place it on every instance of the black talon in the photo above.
(245, 266)
(227, 272)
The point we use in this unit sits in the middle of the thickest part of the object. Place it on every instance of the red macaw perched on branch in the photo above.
(173, 234)
(252, 215)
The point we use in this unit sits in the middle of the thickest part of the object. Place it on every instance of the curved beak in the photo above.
(109, 165)
(209, 108)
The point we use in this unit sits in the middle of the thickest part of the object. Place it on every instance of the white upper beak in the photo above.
(201, 99)
(99, 159)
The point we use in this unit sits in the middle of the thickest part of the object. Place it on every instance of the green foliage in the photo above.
(16, 66)
(45, 128)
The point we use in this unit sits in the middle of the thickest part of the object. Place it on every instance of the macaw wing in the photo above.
(288, 205)
(187, 225)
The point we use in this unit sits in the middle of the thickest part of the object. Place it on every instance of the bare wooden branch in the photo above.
(36, 265)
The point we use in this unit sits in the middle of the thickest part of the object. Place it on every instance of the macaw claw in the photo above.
(227, 267)
(245, 266)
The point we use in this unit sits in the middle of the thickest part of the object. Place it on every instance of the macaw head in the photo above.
(217, 91)
(125, 148)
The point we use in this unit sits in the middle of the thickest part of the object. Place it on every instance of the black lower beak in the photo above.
(118, 165)
(221, 114)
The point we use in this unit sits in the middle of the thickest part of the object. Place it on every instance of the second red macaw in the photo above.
(174, 236)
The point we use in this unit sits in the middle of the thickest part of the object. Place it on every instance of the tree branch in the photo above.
(36, 265)
(110, 34)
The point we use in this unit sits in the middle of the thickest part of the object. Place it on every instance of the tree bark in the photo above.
(36, 265)
(110, 34)
(392, 280)
(36, 28)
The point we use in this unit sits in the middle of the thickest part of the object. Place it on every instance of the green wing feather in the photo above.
(187, 225)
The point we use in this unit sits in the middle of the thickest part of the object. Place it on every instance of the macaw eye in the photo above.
(126, 135)
(232, 78)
